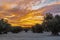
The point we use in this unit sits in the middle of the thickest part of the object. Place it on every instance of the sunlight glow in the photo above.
(25, 12)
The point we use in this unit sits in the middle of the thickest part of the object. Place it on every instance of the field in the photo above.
(29, 36)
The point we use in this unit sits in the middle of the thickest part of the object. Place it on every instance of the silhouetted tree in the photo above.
(47, 17)
(4, 26)
(37, 28)
(53, 24)
(56, 22)
(26, 29)
(16, 29)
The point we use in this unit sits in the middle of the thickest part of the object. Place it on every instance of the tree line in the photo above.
(50, 24)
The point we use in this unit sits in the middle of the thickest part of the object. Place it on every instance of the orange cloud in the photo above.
(22, 17)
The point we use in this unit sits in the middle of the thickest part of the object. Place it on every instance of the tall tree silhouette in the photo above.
(47, 17)
(4, 26)
(52, 23)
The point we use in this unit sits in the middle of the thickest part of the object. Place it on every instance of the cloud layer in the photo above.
(29, 4)
(24, 12)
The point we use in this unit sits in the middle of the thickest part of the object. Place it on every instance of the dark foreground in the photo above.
(29, 36)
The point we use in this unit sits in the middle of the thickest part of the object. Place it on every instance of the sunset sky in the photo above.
(30, 4)
(25, 12)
